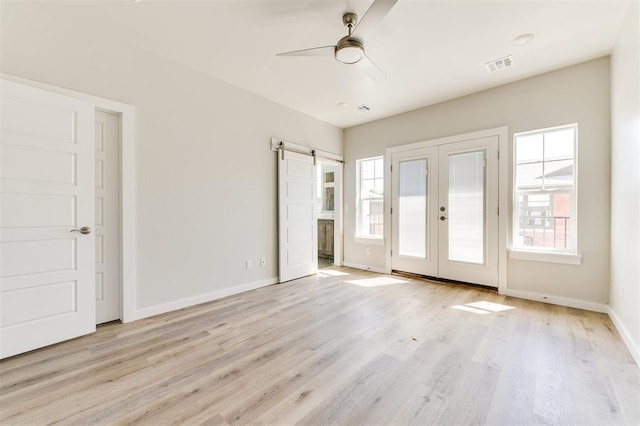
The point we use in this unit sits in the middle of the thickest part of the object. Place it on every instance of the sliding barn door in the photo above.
(297, 212)
(47, 266)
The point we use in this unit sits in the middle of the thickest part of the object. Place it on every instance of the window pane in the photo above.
(378, 188)
(412, 219)
(367, 169)
(558, 173)
(378, 168)
(372, 217)
(366, 188)
(529, 148)
(466, 207)
(529, 176)
(544, 221)
(558, 145)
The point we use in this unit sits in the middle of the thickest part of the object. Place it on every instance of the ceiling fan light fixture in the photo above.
(349, 51)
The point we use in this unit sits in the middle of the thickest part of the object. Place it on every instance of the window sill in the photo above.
(376, 241)
(538, 256)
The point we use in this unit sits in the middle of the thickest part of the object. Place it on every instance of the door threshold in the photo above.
(442, 280)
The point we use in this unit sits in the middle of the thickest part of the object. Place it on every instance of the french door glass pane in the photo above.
(466, 199)
(412, 220)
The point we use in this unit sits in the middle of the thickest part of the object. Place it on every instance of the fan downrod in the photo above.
(350, 20)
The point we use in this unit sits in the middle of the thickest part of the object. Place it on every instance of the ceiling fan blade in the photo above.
(314, 51)
(372, 18)
(372, 70)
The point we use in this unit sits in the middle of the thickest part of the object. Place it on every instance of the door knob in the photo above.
(443, 218)
(442, 209)
(84, 230)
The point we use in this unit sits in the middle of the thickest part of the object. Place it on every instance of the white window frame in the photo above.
(547, 254)
(360, 237)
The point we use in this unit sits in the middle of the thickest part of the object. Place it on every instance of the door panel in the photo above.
(414, 212)
(466, 206)
(297, 216)
(46, 188)
(468, 193)
(107, 144)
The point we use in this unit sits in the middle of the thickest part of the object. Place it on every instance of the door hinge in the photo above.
(498, 211)
(391, 167)
(391, 210)
(426, 171)
(498, 154)
(485, 163)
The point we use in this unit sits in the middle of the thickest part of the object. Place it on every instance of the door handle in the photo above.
(443, 218)
(84, 230)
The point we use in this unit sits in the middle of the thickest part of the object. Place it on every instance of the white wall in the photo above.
(206, 193)
(578, 94)
(625, 182)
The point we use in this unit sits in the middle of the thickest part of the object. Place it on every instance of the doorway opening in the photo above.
(326, 180)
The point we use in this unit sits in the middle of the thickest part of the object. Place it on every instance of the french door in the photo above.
(445, 211)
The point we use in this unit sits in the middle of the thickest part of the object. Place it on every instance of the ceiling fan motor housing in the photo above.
(349, 50)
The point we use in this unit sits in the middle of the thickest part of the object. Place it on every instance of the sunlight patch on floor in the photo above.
(482, 307)
(376, 282)
(331, 273)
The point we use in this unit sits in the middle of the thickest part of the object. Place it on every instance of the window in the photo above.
(369, 211)
(545, 190)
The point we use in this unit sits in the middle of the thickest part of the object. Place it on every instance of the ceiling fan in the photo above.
(350, 48)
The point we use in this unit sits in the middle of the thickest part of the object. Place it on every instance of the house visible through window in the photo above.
(545, 190)
(370, 215)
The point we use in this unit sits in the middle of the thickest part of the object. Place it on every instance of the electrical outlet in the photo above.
(263, 261)
(249, 264)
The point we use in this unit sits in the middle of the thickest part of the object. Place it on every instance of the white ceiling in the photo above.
(432, 50)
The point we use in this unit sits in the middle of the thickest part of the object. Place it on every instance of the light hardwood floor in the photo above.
(343, 347)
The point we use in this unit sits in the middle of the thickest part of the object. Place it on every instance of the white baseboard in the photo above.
(203, 298)
(634, 347)
(557, 300)
(366, 267)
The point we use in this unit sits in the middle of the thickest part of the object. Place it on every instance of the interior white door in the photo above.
(47, 268)
(107, 143)
(445, 211)
(468, 207)
(414, 211)
(297, 216)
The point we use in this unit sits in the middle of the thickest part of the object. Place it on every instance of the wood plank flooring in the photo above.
(343, 347)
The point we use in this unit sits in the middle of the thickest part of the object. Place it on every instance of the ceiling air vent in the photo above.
(499, 64)
(361, 108)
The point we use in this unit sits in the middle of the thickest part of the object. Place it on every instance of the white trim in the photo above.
(127, 186)
(503, 205)
(545, 256)
(634, 347)
(367, 268)
(557, 300)
(202, 298)
(503, 191)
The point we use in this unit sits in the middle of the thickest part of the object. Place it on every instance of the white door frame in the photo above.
(127, 191)
(503, 192)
